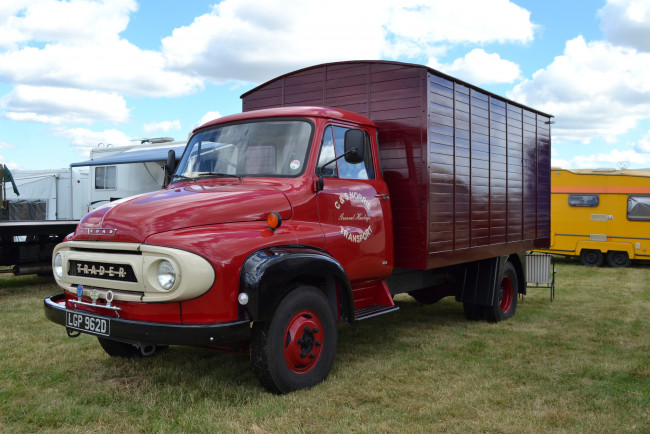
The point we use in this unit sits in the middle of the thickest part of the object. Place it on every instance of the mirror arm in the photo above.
(321, 180)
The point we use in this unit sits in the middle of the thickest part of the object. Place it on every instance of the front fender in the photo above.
(269, 274)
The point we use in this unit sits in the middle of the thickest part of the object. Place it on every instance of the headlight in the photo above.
(58, 265)
(166, 275)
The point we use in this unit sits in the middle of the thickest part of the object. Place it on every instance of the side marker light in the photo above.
(274, 220)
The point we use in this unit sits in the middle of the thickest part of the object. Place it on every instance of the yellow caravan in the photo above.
(600, 214)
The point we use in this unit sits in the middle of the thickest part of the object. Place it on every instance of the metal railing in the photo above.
(540, 271)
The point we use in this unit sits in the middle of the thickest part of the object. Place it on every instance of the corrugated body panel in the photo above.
(489, 162)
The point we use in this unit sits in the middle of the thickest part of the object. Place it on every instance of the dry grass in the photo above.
(581, 363)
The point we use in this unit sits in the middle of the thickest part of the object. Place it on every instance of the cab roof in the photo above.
(293, 112)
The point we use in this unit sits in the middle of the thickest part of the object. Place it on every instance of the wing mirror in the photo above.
(169, 168)
(354, 147)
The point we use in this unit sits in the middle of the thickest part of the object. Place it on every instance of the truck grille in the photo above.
(102, 270)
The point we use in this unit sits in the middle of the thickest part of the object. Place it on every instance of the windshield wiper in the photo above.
(219, 174)
(183, 177)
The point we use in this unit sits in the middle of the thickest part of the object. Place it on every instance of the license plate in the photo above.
(88, 323)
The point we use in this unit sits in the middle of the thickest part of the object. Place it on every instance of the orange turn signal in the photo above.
(273, 220)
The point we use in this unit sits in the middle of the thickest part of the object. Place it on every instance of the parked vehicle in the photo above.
(284, 220)
(119, 172)
(600, 215)
(50, 203)
(49, 206)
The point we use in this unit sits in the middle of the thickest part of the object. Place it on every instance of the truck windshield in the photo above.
(256, 148)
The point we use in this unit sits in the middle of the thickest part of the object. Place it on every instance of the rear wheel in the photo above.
(618, 259)
(505, 303)
(296, 348)
(591, 258)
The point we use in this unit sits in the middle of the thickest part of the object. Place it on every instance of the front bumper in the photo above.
(157, 333)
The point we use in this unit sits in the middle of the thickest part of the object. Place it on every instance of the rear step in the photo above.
(373, 311)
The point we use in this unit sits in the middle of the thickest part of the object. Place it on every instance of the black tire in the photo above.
(505, 303)
(617, 259)
(472, 311)
(591, 258)
(118, 349)
(296, 348)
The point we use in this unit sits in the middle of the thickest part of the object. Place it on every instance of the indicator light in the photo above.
(273, 220)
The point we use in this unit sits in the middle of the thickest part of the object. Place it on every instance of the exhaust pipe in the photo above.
(42, 268)
(147, 349)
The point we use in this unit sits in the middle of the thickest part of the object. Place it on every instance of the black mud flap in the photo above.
(478, 282)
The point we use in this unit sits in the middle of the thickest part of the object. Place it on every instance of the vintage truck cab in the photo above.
(275, 226)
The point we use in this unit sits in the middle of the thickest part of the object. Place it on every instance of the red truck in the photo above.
(339, 186)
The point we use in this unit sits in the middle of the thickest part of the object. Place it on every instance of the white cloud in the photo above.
(595, 90)
(82, 48)
(644, 144)
(57, 106)
(9, 164)
(76, 45)
(627, 22)
(111, 65)
(4, 145)
(84, 139)
(616, 158)
(460, 21)
(209, 116)
(51, 20)
(164, 126)
(480, 68)
(254, 41)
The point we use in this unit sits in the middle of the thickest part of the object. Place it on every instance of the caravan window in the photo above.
(105, 178)
(638, 208)
(589, 200)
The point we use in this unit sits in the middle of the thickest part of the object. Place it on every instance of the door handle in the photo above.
(382, 196)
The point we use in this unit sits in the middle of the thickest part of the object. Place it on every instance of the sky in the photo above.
(79, 74)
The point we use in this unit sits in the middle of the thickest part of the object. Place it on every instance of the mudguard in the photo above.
(268, 275)
(478, 280)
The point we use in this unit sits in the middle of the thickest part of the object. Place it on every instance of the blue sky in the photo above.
(77, 73)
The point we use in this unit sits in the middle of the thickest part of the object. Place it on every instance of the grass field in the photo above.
(579, 364)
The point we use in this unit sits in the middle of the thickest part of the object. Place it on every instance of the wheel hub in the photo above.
(303, 341)
(506, 292)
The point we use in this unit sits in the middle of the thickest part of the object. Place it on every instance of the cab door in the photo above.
(354, 209)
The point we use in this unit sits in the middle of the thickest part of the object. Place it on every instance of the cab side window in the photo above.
(332, 146)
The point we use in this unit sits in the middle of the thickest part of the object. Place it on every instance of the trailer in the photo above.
(119, 172)
(48, 207)
(51, 202)
(600, 215)
(339, 186)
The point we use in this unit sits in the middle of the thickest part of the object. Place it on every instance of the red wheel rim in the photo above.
(507, 292)
(303, 341)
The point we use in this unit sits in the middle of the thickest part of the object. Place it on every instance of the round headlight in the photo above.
(58, 265)
(166, 275)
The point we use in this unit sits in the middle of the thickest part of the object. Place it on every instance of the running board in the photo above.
(373, 311)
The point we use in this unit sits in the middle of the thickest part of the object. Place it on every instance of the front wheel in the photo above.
(296, 348)
(505, 302)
